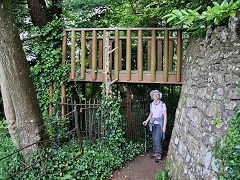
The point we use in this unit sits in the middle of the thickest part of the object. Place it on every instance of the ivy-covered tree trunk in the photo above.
(20, 102)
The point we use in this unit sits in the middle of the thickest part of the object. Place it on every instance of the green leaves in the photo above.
(227, 150)
(194, 20)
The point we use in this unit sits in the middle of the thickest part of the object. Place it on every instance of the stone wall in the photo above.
(208, 98)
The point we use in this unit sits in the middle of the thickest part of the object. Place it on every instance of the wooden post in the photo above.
(129, 88)
(128, 56)
(64, 48)
(77, 127)
(94, 55)
(166, 55)
(84, 102)
(64, 57)
(73, 42)
(50, 99)
(179, 55)
(153, 56)
(83, 54)
(159, 55)
(116, 55)
(140, 56)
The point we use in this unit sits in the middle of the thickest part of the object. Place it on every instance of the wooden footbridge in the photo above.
(139, 55)
(142, 55)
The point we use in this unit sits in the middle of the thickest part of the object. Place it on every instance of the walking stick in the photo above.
(145, 148)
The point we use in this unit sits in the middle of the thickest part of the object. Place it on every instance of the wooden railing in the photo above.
(142, 55)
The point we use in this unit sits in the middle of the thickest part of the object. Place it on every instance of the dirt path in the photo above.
(141, 167)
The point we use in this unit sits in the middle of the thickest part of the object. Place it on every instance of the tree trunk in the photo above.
(38, 12)
(20, 102)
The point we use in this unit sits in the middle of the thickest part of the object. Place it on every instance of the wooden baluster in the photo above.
(128, 56)
(90, 54)
(100, 61)
(153, 56)
(179, 55)
(120, 54)
(140, 56)
(170, 56)
(159, 55)
(110, 55)
(166, 55)
(94, 55)
(73, 42)
(149, 54)
(83, 54)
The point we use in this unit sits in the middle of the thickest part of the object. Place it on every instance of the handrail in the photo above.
(125, 29)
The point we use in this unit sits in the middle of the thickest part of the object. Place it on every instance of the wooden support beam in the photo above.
(153, 56)
(128, 56)
(116, 55)
(179, 55)
(140, 56)
(94, 55)
(83, 110)
(159, 55)
(129, 88)
(73, 48)
(166, 55)
(83, 54)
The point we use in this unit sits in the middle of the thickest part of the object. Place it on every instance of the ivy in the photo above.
(48, 69)
(227, 150)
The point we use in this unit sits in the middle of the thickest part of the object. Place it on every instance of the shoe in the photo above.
(158, 158)
(153, 156)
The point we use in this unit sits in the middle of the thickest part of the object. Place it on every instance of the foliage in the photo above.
(97, 161)
(200, 21)
(48, 69)
(162, 175)
(227, 150)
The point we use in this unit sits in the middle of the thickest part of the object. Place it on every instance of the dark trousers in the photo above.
(157, 138)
